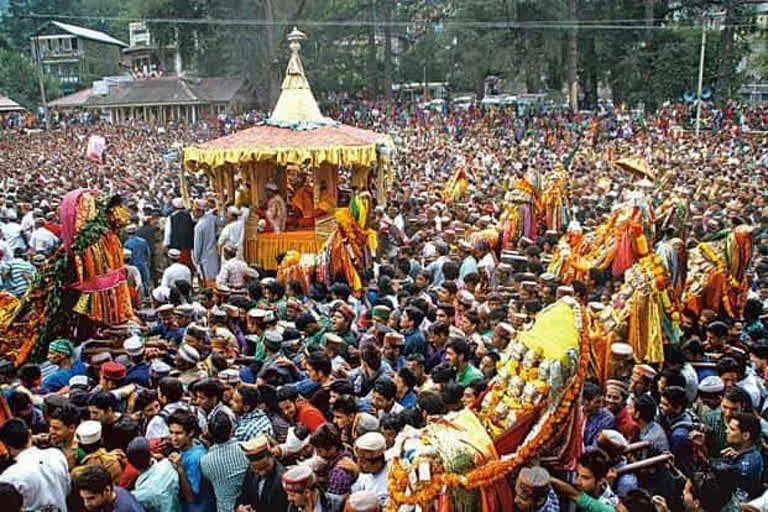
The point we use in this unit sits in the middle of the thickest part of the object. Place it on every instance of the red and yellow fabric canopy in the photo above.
(336, 144)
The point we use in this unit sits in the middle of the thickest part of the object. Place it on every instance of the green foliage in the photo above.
(19, 79)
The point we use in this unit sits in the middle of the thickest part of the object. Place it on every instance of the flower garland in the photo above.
(496, 470)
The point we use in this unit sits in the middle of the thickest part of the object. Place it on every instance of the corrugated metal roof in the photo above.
(169, 91)
(8, 105)
(76, 99)
(87, 33)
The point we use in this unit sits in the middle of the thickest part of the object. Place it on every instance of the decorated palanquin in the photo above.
(295, 137)
(465, 460)
(83, 284)
(619, 242)
(521, 210)
(644, 313)
(717, 273)
(456, 187)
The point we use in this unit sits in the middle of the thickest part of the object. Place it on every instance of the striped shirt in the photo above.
(225, 466)
(252, 424)
(17, 275)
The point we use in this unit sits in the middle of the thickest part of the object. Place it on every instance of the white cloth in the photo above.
(41, 477)
(12, 233)
(43, 240)
(176, 272)
(760, 503)
(28, 223)
(374, 483)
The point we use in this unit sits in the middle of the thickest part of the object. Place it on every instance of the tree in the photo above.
(19, 79)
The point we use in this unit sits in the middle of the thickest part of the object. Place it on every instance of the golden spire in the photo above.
(296, 103)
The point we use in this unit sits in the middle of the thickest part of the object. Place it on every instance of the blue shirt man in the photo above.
(60, 354)
(140, 254)
(190, 461)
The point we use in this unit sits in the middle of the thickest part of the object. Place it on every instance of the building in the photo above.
(160, 100)
(146, 58)
(77, 56)
(8, 105)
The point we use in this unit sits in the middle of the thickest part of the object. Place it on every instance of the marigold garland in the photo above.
(496, 470)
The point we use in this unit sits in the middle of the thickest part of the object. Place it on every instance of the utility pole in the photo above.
(40, 81)
(701, 73)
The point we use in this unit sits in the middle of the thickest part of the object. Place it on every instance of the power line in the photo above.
(542, 25)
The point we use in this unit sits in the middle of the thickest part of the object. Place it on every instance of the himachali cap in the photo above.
(222, 289)
(189, 354)
(618, 385)
(184, 310)
(564, 290)
(257, 313)
(298, 479)
(88, 432)
(273, 340)
(505, 330)
(269, 317)
(165, 308)
(174, 254)
(229, 376)
(256, 448)
(133, 346)
(371, 444)
(644, 370)
(197, 332)
(101, 357)
(61, 346)
(159, 369)
(113, 371)
(346, 311)
(231, 310)
(362, 501)
(529, 285)
(547, 277)
(532, 482)
(711, 385)
(465, 298)
(622, 350)
(381, 312)
(395, 339)
(78, 381)
(177, 203)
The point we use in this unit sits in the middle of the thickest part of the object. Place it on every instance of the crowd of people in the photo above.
(234, 391)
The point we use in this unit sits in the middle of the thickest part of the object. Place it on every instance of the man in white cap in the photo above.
(180, 231)
(138, 369)
(232, 233)
(176, 271)
(372, 467)
(204, 253)
(276, 210)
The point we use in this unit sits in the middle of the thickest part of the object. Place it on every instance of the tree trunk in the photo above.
(388, 50)
(725, 66)
(274, 73)
(372, 75)
(573, 56)
(649, 17)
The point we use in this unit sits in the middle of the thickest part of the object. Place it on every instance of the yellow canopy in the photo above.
(554, 331)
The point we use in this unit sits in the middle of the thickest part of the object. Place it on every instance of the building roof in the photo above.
(76, 99)
(171, 90)
(8, 105)
(86, 33)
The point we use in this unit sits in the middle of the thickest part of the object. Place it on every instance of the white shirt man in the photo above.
(41, 477)
(43, 240)
(176, 271)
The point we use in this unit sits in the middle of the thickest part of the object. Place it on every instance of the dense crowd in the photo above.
(234, 391)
